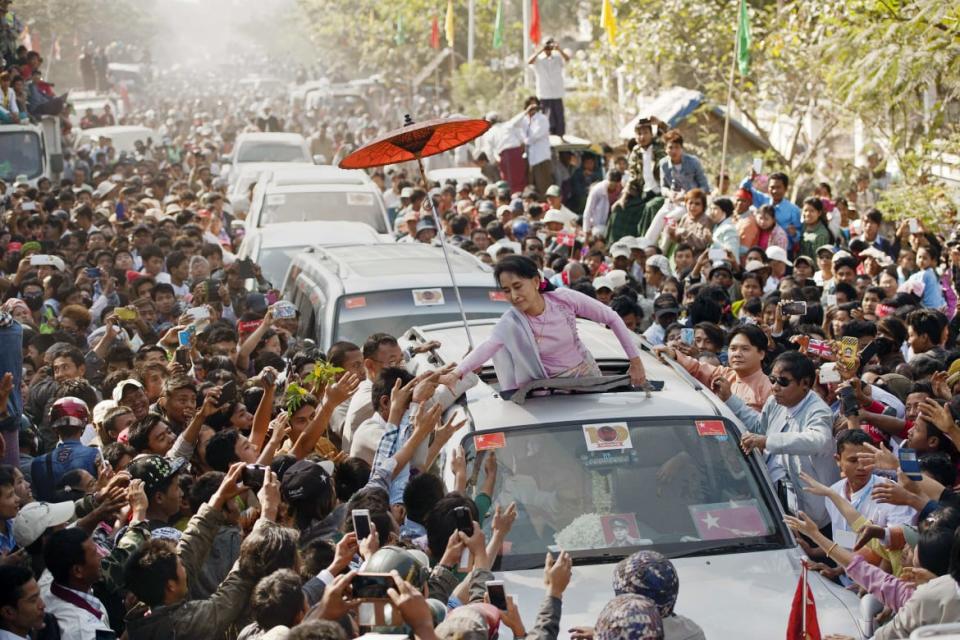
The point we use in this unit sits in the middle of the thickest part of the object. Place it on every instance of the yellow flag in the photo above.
(608, 21)
(448, 24)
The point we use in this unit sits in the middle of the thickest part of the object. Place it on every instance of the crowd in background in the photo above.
(131, 500)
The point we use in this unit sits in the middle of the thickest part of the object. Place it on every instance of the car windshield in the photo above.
(19, 155)
(330, 206)
(393, 312)
(271, 152)
(604, 490)
(274, 262)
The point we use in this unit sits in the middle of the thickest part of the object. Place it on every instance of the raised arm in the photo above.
(336, 393)
(261, 418)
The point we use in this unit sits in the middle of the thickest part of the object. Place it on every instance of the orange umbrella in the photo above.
(416, 142)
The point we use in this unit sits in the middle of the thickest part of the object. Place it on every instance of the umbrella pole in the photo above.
(443, 246)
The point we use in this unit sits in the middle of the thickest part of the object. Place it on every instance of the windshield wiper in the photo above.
(721, 549)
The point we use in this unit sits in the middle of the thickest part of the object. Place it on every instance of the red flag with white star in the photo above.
(803, 623)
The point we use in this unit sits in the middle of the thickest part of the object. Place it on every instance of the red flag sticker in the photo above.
(728, 520)
(497, 296)
(710, 427)
(490, 441)
(355, 303)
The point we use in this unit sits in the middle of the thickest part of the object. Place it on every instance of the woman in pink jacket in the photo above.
(537, 338)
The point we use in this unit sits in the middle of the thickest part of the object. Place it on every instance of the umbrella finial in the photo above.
(407, 120)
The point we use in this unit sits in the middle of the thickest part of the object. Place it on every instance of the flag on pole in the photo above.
(435, 33)
(743, 40)
(498, 27)
(803, 624)
(26, 39)
(448, 24)
(535, 22)
(400, 37)
(608, 21)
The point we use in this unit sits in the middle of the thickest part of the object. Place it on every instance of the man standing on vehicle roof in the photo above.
(548, 69)
(793, 432)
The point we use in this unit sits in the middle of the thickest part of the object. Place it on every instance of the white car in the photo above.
(266, 147)
(243, 179)
(275, 246)
(316, 193)
(123, 137)
(455, 174)
(83, 100)
(602, 475)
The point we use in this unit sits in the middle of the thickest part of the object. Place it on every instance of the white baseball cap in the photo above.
(122, 386)
(617, 277)
(37, 517)
(620, 250)
(603, 282)
(554, 216)
(779, 254)
(660, 263)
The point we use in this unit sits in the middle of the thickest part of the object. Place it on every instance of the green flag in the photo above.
(498, 27)
(743, 40)
(400, 37)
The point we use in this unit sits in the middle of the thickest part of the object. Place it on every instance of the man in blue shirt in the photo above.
(787, 213)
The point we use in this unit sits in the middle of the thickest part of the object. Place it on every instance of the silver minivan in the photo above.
(349, 292)
(602, 475)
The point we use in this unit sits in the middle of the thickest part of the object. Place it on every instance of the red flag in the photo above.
(435, 33)
(535, 22)
(803, 624)
(566, 239)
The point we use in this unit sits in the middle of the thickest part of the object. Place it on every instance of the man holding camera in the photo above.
(548, 68)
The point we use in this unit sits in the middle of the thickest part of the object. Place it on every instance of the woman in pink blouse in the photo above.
(537, 338)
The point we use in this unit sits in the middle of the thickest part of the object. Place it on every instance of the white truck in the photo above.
(31, 151)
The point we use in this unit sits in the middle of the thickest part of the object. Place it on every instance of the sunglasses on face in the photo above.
(781, 381)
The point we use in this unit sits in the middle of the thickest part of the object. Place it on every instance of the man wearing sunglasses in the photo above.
(793, 431)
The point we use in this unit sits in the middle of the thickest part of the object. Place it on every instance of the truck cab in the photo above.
(31, 150)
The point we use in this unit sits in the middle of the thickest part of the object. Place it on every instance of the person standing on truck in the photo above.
(537, 337)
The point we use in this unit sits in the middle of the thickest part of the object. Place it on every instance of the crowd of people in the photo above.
(180, 462)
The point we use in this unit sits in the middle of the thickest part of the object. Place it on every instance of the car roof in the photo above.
(332, 187)
(454, 173)
(114, 130)
(680, 396)
(293, 234)
(404, 265)
(260, 136)
(316, 175)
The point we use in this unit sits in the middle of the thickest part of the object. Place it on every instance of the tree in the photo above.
(363, 39)
(690, 43)
(78, 22)
(896, 64)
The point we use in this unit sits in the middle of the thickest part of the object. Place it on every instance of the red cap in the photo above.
(745, 195)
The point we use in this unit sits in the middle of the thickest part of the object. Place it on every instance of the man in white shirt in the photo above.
(535, 131)
(555, 202)
(597, 210)
(21, 607)
(548, 69)
(72, 559)
(506, 140)
(856, 487)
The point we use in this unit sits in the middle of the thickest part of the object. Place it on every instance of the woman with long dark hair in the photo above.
(816, 231)
(537, 337)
